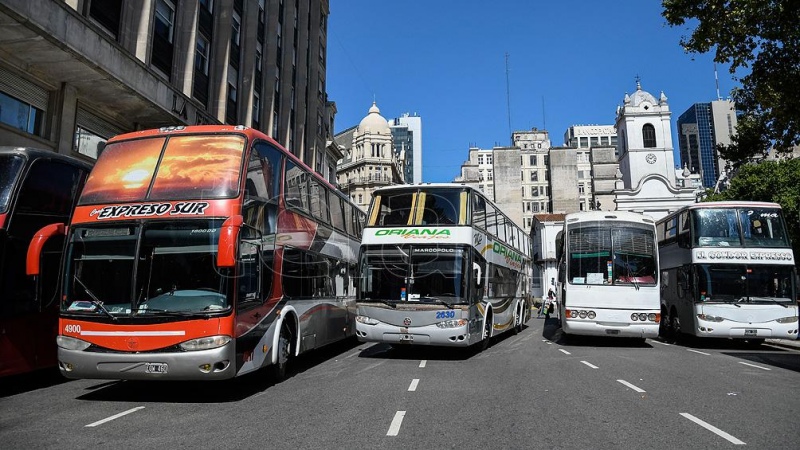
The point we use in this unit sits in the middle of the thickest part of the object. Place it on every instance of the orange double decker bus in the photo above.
(202, 253)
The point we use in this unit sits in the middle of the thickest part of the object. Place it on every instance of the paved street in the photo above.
(526, 391)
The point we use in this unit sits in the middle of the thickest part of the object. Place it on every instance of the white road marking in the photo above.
(698, 351)
(423, 362)
(564, 351)
(590, 364)
(713, 429)
(659, 342)
(115, 416)
(413, 386)
(753, 365)
(635, 388)
(549, 343)
(394, 428)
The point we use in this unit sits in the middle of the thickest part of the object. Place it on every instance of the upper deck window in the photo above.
(739, 227)
(195, 167)
(10, 168)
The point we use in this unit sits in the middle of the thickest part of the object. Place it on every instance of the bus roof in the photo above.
(250, 133)
(423, 185)
(593, 216)
(32, 153)
(721, 204)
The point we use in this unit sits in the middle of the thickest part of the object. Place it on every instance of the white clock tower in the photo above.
(644, 138)
(646, 163)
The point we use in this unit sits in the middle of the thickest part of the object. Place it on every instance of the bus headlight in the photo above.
(366, 320)
(451, 323)
(591, 315)
(710, 318)
(205, 343)
(70, 343)
(790, 319)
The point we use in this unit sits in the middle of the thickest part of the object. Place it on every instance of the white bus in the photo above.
(727, 272)
(440, 265)
(608, 275)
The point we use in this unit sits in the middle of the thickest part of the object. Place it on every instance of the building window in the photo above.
(107, 13)
(489, 175)
(165, 20)
(256, 108)
(480, 159)
(207, 4)
(534, 175)
(533, 161)
(488, 159)
(649, 135)
(20, 115)
(584, 142)
(236, 28)
(201, 55)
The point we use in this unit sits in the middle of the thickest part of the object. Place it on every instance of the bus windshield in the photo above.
(191, 167)
(10, 168)
(618, 256)
(424, 274)
(431, 207)
(739, 227)
(173, 271)
(741, 283)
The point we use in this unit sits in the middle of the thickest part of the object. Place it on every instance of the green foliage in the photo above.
(770, 181)
(764, 37)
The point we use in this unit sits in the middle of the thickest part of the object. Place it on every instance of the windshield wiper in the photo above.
(438, 300)
(166, 312)
(95, 301)
(385, 302)
(771, 300)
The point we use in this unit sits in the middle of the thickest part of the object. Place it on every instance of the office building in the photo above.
(84, 70)
(407, 140)
(700, 129)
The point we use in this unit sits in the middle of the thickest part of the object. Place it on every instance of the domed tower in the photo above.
(371, 163)
(644, 138)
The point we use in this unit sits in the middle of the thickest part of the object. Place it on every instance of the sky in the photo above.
(471, 68)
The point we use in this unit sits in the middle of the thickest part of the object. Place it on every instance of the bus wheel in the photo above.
(487, 332)
(674, 327)
(284, 349)
(517, 320)
(664, 327)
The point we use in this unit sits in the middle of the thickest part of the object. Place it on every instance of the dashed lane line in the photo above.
(713, 429)
(753, 365)
(115, 416)
(635, 388)
(698, 351)
(394, 428)
(590, 364)
(413, 386)
(564, 351)
(659, 342)
(423, 363)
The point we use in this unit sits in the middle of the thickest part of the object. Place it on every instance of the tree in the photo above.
(760, 35)
(770, 181)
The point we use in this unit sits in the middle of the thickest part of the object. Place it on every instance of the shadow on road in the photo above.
(431, 352)
(208, 391)
(552, 332)
(40, 379)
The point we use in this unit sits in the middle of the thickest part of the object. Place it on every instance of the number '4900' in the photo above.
(445, 314)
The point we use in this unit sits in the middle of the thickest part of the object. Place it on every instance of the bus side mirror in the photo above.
(683, 279)
(34, 256)
(477, 268)
(228, 238)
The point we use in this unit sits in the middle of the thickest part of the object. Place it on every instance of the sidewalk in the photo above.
(786, 343)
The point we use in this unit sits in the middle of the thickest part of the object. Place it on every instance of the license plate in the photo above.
(406, 337)
(155, 368)
(612, 331)
(751, 332)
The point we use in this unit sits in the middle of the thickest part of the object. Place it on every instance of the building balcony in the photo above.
(368, 180)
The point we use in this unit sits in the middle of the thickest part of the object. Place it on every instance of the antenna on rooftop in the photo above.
(508, 100)
(716, 80)
(544, 117)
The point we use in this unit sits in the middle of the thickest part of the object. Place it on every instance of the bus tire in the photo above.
(486, 334)
(675, 327)
(518, 316)
(284, 352)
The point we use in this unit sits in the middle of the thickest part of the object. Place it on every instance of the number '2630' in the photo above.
(445, 314)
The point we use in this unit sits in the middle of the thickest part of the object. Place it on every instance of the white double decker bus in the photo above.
(608, 275)
(728, 271)
(440, 265)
